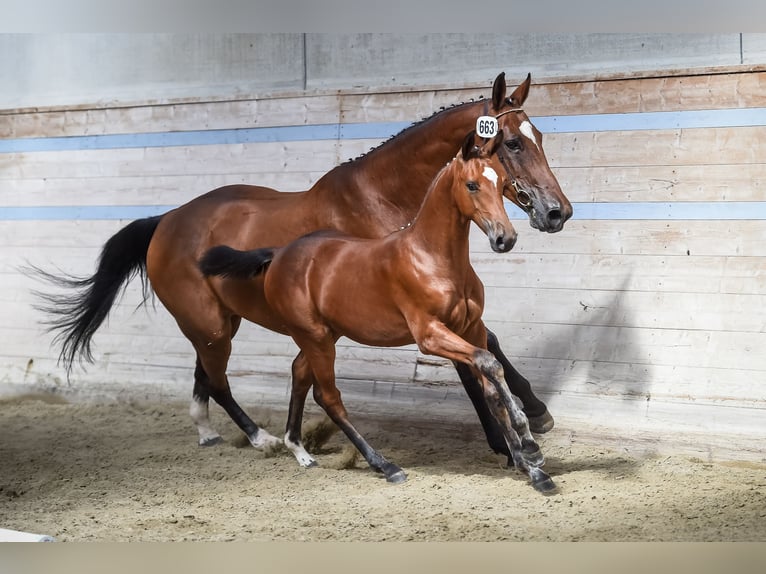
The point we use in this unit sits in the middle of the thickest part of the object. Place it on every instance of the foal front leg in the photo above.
(437, 339)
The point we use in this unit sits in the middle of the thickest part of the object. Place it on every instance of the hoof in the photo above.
(541, 482)
(312, 464)
(397, 477)
(210, 441)
(541, 424)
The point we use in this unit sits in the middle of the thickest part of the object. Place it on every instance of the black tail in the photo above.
(76, 317)
(227, 262)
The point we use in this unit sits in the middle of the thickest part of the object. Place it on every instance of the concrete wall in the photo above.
(643, 320)
(71, 69)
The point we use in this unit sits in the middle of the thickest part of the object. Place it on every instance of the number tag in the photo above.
(486, 127)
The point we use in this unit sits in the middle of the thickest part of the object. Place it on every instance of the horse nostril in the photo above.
(554, 217)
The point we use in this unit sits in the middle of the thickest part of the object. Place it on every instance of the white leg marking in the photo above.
(301, 455)
(199, 412)
(527, 130)
(264, 440)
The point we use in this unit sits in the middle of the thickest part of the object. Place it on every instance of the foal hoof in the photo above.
(212, 441)
(541, 424)
(542, 482)
(397, 477)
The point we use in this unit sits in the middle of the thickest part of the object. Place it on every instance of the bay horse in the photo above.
(412, 286)
(366, 197)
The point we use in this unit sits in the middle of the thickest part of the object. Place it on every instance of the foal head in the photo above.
(531, 184)
(478, 181)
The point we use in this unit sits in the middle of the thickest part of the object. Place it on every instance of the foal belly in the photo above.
(375, 326)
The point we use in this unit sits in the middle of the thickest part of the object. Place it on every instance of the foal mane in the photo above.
(412, 127)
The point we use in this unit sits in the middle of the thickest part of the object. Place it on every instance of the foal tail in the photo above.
(227, 262)
(77, 316)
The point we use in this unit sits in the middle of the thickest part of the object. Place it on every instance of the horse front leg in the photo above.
(540, 420)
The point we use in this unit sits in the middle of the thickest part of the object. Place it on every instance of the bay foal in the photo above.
(415, 285)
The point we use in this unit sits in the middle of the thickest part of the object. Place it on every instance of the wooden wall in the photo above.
(644, 319)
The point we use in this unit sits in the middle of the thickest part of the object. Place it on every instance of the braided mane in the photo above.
(411, 127)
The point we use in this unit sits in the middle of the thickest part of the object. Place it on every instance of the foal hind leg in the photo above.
(303, 378)
(321, 356)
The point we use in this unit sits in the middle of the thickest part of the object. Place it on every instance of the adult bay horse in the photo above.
(413, 286)
(370, 196)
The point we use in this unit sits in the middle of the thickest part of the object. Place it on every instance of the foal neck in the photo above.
(439, 226)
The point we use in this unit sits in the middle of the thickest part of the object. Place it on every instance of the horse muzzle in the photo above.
(500, 239)
(545, 214)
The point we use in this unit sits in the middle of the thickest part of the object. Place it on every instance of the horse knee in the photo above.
(488, 364)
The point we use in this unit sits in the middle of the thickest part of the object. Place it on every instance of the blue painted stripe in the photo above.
(382, 130)
(679, 211)
(733, 118)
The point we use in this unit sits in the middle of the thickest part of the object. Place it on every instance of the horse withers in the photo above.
(415, 285)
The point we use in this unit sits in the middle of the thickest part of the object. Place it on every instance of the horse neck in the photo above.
(440, 227)
(390, 181)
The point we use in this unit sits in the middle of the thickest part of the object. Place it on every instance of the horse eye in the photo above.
(472, 186)
(514, 144)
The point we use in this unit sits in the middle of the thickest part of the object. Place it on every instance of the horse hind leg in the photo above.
(213, 354)
(199, 410)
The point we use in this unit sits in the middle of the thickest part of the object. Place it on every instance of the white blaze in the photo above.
(490, 174)
(527, 130)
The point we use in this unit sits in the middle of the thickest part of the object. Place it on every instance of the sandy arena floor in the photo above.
(129, 471)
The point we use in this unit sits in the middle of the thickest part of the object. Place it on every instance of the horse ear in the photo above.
(520, 94)
(496, 142)
(498, 91)
(469, 146)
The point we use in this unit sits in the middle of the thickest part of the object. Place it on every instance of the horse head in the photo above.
(530, 184)
(480, 181)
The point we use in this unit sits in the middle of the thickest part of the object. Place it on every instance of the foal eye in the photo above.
(472, 186)
(514, 144)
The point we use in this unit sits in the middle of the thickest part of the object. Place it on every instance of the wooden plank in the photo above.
(679, 238)
(713, 146)
(686, 92)
(619, 344)
(694, 311)
(703, 182)
(655, 273)
(181, 160)
(310, 109)
(140, 190)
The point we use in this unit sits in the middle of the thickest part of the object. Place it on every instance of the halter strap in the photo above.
(504, 159)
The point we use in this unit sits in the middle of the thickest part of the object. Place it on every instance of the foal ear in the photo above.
(494, 144)
(469, 149)
(519, 95)
(498, 92)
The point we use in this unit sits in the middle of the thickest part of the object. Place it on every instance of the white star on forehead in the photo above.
(527, 130)
(490, 174)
